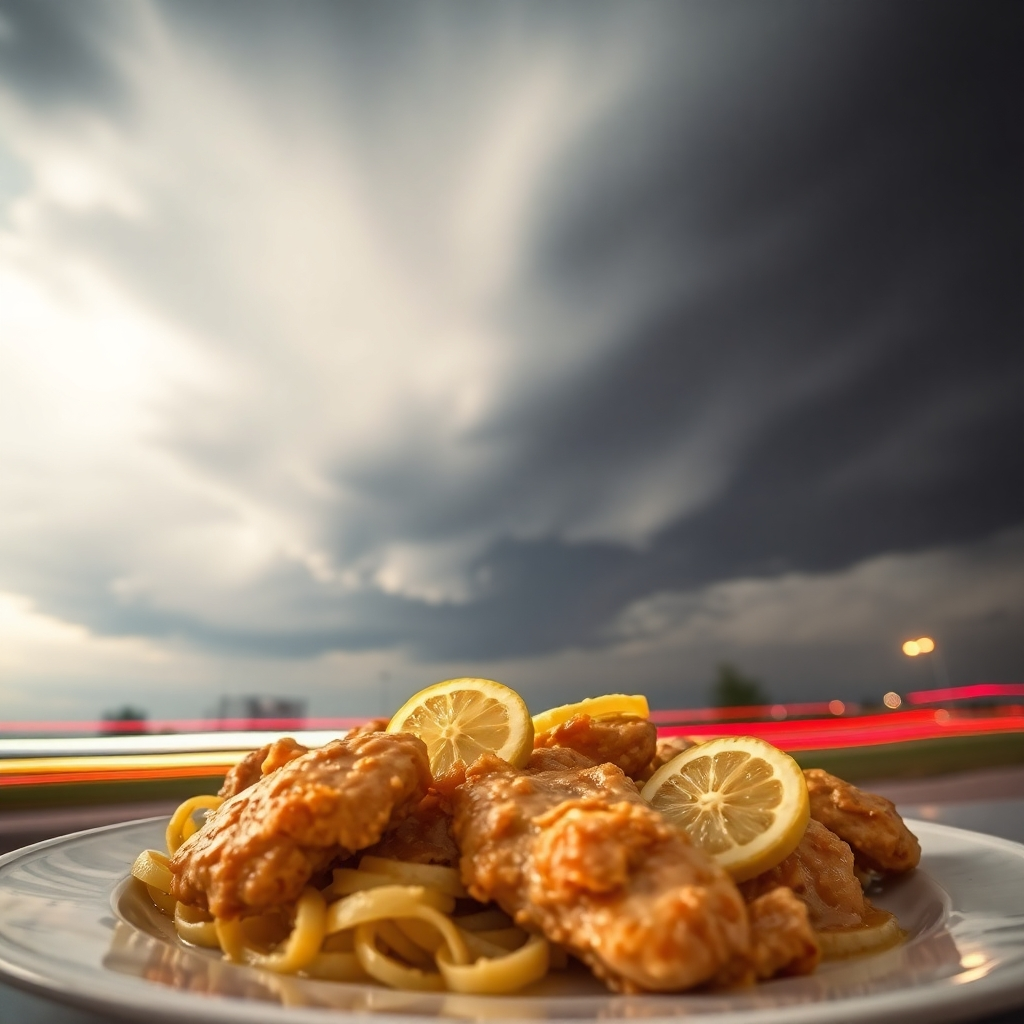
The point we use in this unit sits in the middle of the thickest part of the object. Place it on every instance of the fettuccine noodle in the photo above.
(386, 921)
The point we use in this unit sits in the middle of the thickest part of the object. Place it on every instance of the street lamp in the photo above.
(926, 645)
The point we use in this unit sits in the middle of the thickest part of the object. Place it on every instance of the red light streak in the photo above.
(865, 731)
(683, 715)
(673, 717)
(806, 734)
(973, 692)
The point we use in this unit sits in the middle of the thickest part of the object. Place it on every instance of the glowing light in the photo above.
(681, 716)
(973, 692)
(778, 712)
(854, 731)
(837, 707)
(911, 649)
(25, 768)
(976, 965)
(892, 700)
(942, 715)
(191, 725)
(925, 645)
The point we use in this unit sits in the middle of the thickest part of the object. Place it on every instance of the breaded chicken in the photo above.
(425, 837)
(820, 873)
(263, 761)
(626, 741)
(368, 727)
(870, 824)
(781, 937)
(272, 756)
(578, 855)
(553, 759)
(259, 848)
(666, 748)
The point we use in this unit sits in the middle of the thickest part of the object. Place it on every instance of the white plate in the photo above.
(74, 927)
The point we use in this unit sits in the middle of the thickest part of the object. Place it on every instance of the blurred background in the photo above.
(671, 348)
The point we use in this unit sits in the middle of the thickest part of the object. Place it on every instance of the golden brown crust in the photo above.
(626, 741)
(577, 854)
(666, 748)
(553, 759)
(367, 728)
(820, 872)
(261, 846)
(260, 762)
(272, 756)
(781, 937)
(869, 823)
(425, 837)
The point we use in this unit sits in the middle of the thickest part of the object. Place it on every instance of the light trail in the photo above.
(975, 691)
(178, 725)
(867, 731)
(100, 763)
(677, 716)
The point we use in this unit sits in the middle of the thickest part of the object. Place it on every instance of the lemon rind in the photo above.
(597, 707)
(840, 943)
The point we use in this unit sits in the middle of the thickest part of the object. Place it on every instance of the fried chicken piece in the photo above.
(368, 727)
(870, 824)
(820, 873)
(781, 937)
(259, 848)
(254, 766)
(553, 759)
(425, 837)
(626, 741)
(578, 855)
(666, 748)
(271, 756)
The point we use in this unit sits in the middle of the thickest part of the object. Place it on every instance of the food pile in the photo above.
(465, 846)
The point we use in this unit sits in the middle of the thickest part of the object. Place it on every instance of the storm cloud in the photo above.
(479, 334)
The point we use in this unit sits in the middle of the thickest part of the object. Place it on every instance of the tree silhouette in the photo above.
(732, 689)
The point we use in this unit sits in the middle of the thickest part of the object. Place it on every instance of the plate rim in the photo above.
(123, 996)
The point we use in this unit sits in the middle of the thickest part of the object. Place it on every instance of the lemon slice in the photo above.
(741, 800)
(460, 719)
(609, 704)
(879, 931)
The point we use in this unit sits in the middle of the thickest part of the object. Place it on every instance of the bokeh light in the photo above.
(837, 707)
(925, 645)
(891, 699)
(911, 649)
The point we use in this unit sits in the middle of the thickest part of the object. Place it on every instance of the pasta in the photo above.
(386, 920)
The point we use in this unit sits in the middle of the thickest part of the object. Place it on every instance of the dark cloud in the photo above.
(813, 213)
(57, 53)
(901, 260)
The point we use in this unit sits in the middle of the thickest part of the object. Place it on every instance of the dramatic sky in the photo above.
(346, 347)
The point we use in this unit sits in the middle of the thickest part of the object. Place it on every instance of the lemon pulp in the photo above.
(460, 719)
(740, 799)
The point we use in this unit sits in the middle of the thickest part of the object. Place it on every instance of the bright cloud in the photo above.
(303, 357)
(890, 598)
(218, 360)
